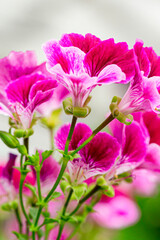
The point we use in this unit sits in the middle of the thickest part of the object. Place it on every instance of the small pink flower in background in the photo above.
(97, 157)
(117, 212)
(81, 63)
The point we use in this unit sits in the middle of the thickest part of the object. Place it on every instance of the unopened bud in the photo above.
(9, 139)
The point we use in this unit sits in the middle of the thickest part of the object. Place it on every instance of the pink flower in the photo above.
(117, 212)
(133, 143)
(24, 87)
(142, 94)
(97, 157)
(81, 63)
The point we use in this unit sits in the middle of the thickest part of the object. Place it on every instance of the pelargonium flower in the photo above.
(25, 94)
(81, 63)
(25, 87)
(117, 212)
(133, 143)
(142, 94)
(97, 157)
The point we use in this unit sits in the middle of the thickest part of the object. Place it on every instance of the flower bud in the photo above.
(9, 139)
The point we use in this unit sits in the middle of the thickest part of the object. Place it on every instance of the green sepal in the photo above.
(20, 236)
(126, 119)
(109, 192)
(101, 182)
(9, 206)
(80, 112)
(9, 139)
(64, 185)
(22, 150)
(23, 133)
(68, 156)
(67, 177)
(79, 190)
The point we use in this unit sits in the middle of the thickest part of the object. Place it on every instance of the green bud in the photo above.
(28, 132)
(19, 133)
(9, 139)
(81, 112)
(110, 192)
(101, 181)
(22, 149)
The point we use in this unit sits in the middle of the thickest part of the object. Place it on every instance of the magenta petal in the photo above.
(116, 128)
(8, 169)
(15, 65)
(79, 41)
(143, 61)
(134, 148)
(152, 123)
(70, 59)
(152, 160)
(107, 53)
(111, 74)
(101, 153)
(80, 131)
(155, 62)
(18, 90)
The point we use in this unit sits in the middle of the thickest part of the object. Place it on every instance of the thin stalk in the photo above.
(33, 236)
(98, 129)
(63, 167)
(61, 226)
(39, 184)
(51, 130)
(18, 219)
(88, 195)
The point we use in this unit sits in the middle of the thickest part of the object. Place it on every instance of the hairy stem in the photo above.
(18, 219)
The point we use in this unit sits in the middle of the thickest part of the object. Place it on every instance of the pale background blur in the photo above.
(27, 24)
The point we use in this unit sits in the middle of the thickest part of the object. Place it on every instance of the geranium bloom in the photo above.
(133, 143)
(97, 157)
(142, 94)
(117, 212)
(25, 86)
(81, 63)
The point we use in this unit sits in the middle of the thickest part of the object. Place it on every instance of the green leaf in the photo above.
(45, 155)
(33, 189)
(33, 212)
(55, 195)
(9, 139)
(50, 220)
(20, 236)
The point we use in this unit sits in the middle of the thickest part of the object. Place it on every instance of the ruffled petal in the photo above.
(80, 131)
(107, 53)
(143, 61)
(101, 153)
(77, 40)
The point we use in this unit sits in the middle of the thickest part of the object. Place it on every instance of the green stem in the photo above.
(39, 184)
(87, 196)
(18, 219)
(33, 236)
(51, 130)
(61, 226)
(63, 167)
(98, 129)
(21, 198)
(74, 120)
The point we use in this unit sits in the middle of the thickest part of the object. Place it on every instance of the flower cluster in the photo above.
(102, 169)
